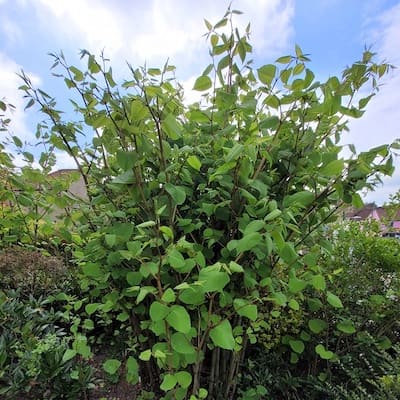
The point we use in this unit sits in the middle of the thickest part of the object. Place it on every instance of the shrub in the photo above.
(32, 272)
(33, 352)
(200, 219)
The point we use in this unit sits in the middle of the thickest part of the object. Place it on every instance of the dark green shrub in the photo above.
(33, 352)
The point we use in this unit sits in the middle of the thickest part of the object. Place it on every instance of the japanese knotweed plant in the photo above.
(202, 217)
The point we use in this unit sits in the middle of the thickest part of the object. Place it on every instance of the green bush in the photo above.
(203, 220)
(33, 349)
(360, 339)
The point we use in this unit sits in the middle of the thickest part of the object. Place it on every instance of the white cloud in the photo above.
(154, 30)
(381, 122)
(9, 82)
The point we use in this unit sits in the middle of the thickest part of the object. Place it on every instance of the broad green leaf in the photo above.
(177, 193)
(132, 371)
(234, 152)
(110, 239)
(126, 159)
(297, 346)
(222, 335)
(145, 355)
(254, 226)
(317, 325)
(267, 73)
(244, 309)
(134, 247)
(184, 378)
(300, 199)
(333, 300)
(181, 344)
(270, 123)
(296, 285)
(179, 319)
(193, 295)
(111, 366)
(213, 281)
(294, 305)
(346, 326)
(167, 231)
(176, 260)
(68, 355)
(168, 296)
(318, 281)
(168, 383)
(194, 162)
(333, 168)
(202, 83)
(171, 127)
(134, 278)
(92, 308)
(158, 311)
(323, 352)
(248, 242)
(273, 215)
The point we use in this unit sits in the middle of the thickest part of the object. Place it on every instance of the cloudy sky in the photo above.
(334, 32)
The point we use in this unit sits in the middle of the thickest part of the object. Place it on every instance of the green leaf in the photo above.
(266, 74)
(273, 215)
(132, 371)
(92, 308)
(168, 383)
(184, 378)
(248, 242)
(181, 344)
(68, 355)
(202, 83)
(284, 59)
(167, 231)
(346, 326)
(171, 127)
(234, 152)
(110, 239)
(145, 355)
(244, 309)
(111, 366)
(134, 248)
(323, 353)
(212, 280)
(270, 123)
(194, 162)
(193, 295)
(333, 168)
(300, 199)
(296, 285)
(176, 260)
(168, 296)
(297, 346)
(222, 335)
(317, 325)
(158, 311)
(318, 281)
(254, 226)
(177, 193)
(179, 319)
(294, 305)
(334, 301)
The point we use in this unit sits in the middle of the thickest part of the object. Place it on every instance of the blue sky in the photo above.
(334, 32)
